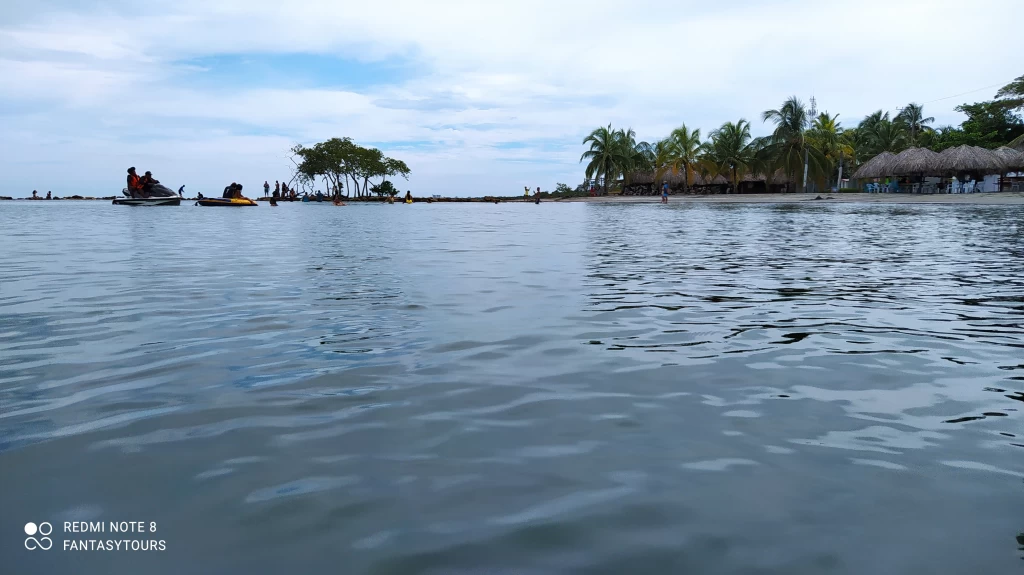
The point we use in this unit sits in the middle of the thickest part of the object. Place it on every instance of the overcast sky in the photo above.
(477, 97)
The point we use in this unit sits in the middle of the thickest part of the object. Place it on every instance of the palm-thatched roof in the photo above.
(1012, 159)
(719, 180)
(673, 179)
(876, 167)
(970, 159)
(1017, 143)
(779, 177)
(914, 161)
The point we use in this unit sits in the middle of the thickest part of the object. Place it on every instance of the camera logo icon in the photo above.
(44, 542)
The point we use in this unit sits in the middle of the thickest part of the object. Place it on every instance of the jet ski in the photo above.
(225, 202)
(156, 195)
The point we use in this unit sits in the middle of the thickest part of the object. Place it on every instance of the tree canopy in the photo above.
(343, 164)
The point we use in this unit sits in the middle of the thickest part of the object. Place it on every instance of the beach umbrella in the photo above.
(971, 159)
(914, 161)
(877, 167)
(1012, 159)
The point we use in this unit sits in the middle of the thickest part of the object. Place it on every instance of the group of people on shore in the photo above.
(536, 195)
(35, 195)
(281, 191)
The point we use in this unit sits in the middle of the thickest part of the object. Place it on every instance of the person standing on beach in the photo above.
(266, 188)
(181, 191)
(664, 193)
(526, 192)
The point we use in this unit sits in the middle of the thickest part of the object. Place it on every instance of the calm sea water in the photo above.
(515, 389)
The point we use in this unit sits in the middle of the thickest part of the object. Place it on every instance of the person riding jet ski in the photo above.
(134, 183)
(146, 186)
(148, 181)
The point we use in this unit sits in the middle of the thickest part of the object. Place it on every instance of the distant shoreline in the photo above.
(982, 199)
(999, 199)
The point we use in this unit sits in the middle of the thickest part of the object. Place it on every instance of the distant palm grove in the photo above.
(800, 148)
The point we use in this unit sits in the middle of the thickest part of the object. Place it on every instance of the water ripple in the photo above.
(518, 388)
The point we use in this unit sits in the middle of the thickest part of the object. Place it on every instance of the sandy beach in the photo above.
(1003, 198)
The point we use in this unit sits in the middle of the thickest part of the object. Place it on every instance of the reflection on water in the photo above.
(517, 388)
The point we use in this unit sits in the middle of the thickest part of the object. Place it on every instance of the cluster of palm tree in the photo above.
(803, 148)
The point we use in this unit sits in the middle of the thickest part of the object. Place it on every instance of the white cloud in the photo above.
(87, 77)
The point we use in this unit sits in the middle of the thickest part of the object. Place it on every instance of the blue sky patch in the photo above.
(293, 71)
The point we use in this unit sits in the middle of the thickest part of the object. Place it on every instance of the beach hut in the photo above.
(877, 167)
(759, 184)
(970, 160)
(1013, 160)
(1017, 143)
(914, 162)
(971, 163)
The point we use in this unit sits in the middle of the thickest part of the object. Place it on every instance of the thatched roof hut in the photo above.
(877, 167)
(719, 180)
(914, 161)
(673, 179)
(970, 159)
(1012, 159)
(779, 177)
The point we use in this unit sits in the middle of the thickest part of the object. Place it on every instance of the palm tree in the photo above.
(663, 158)
(602, 154)
(913, 117)
(763, 160)
(731, 149)
(870, 121)
(888, 136)
(826, 137)
(788, 142)
(684, 152)
(626, 157)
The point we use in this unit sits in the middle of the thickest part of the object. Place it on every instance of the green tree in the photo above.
(602, 158)
(683, 149)
(887, 136)
(343, 165)
(990, 124)
(730, 149)
(826, 138)
(628, 156)
(385, 188)
(871, 120)
(1012, 94)
(788, 143)
(912, 116)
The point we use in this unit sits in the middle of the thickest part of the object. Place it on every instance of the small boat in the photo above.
(158, 196)
(225, 202)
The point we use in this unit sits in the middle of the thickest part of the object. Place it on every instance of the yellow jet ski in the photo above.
(225, 202)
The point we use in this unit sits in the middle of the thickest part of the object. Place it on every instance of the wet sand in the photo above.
(1002, 198)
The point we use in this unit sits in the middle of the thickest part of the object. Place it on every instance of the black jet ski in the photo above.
(155, 195)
